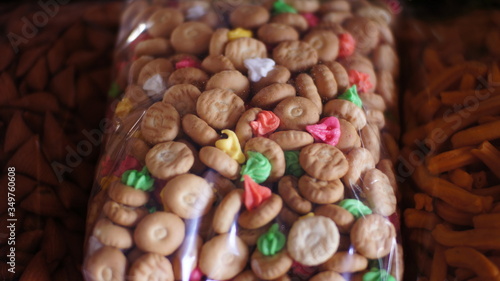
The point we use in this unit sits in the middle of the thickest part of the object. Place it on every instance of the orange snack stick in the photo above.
(450, 193)
(494, 74)
(468, 82)
(488, 118)
(452, 215)
(439, 267)
(427, 111)
(461, 178)
(489, 155)
(480, 179)
(423, 202)
(465, 257)
(421, 219)
(487, 221)
(432, 61)
(493, 191)
(451, 160)
(476, 135)
(480, 239)
(458, 97)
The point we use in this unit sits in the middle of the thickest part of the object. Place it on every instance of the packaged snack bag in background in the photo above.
(451, 146)
(250, 143)
(54, 76)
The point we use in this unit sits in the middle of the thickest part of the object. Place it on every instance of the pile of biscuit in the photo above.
(252, 152)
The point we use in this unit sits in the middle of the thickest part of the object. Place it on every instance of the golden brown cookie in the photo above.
(243, 129)
(359, 161)
(231, 80)
(220, 184)
(221, 162)
(273, 152)
(123, 215)
(325, 42)
(313, 240)
(349, 137)
(160, 232)
(244, 48)
(295, 55)
(323, 161)
(294, 20)
(287, 189)
(319, 191)
(279, 74)
(335, 6)
(346, 262)
(136, 67)
(127, 195)
(250, 236)
(225, 214)
(370, 137)
(183, 97)
(137, 148)
(107, 263)
(373, 236)
(340, 74)
(163, 21)
(168, 159)
(198, 166)
(325, 81)
(136, 95)
(307, 89)
(270, 96)
(188, 75)
(113, 235)
(274, 33)
(218, 41)
(223, 257)
(198, 130)
(292, 140)
(220, 108)
(188, 196)
(151, 266)
(156, 47)
(365, 32)
(309, 6)
(328, 275)
(160, 123)
(342, 218)
(154, 75)
(377, 190)
(287, 216)
(249, 17)
(191, 38)
(216, 63)
(346, 110)
(295, 113)
(246, 275)
(261, 215)
(270, 267)
(373, 101)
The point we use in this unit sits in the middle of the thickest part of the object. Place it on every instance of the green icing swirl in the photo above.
(257, 167)
(292, 164)
(114, 90)
(280, 7)
(355, 207)
(138, 179)
(271, 242)
(352, 95)
(376, 274)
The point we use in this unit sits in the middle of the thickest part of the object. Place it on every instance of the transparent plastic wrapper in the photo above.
(451, 146)
(248, 145)
(55, 72)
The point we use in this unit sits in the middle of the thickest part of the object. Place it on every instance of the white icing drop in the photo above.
(195, 12)
(154, 86)
(258, 68)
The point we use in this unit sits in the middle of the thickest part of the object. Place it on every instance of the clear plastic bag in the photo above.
(238, 151)
(451, 146)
